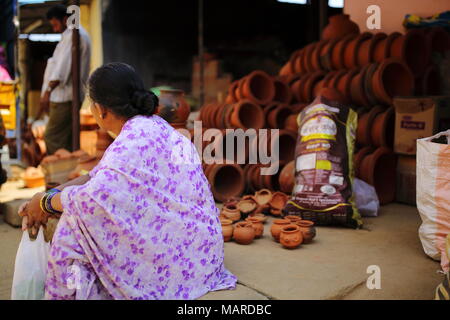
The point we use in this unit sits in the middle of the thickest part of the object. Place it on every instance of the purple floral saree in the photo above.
(145, 226)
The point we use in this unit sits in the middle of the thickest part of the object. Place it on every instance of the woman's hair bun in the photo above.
(145, 101)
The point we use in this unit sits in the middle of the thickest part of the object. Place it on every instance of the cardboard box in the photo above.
(419, 117)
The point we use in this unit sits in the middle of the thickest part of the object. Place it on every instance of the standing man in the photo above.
(56, 95)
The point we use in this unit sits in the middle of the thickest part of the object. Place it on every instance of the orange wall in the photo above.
(393, 11)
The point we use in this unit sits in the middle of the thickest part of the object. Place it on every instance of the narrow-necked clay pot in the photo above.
(279, 200)
(293, 219)
(257, 224)
(226, 180)
(244, 233)
(277, 225)
(246, 115)
(383, 128)
(247, 206)
(227, 229)
(277, 116)
(283, 93)
(258, 87)
(263, 197)
(382, 48)
(308, 230)
(291, 236)
(359, 156)
(392, 78)
(231, 212)
(339, 26)
(287, 178)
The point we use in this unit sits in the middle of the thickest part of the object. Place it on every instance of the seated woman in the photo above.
(139, 226)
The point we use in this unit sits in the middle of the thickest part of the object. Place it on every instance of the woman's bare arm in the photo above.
(75, 182)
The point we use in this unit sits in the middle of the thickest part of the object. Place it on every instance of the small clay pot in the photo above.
(287, 178)
(279, 200)
(277, 225)
(172, 106)
(291, 236)
(283, 93)
(246, 115)
(257, 224)
(275, 212)
(293, 219)
(231, 212)
(339, 26)
(231, 92)
(316, 61)
(308, 230)
(258, 87)
(297, 87)
(260, 216)
(227, 229)
(247, 206)
(226, 180)
(244, 233)
(383, 127)
(263, 197)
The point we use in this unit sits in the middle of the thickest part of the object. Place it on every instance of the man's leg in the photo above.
(58, 133)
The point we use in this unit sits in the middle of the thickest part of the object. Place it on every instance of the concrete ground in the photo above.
(332, 267)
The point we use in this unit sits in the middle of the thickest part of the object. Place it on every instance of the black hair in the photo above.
(117, 87)
(58, 11)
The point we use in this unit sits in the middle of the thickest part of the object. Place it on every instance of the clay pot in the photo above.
(227, 229)
(247, 206)
(287, 178)
(271, 182)
(382, 48)
(291, 236)
(366, 51)
(258, 87)
(438, 39)
(291, 123)
(357, 88)
(277, 225)
(308, 230)
(257, 224)
(287, 141)
(351, 51)
(392, 78)
(310, 83)
(260, 216)
(379, 170)
(172, 106)
(332, 95)
(286, 69)
(293, 219)
(298, 107)
(226, 181)
(359, 156)
(338, 53)
(283, 93)
(232, 92)
(413, 50)
(263, 197)
(279, 200)
(343, 83)
(297, 62)
(297, 87)
(244, 233)
(363, 131)
(275, 212)
(372, 68)
(316, 61)
(430, 83)
(339, 26)
(326, 54)
(383, 127)
(277, 116)
(231, 212)
(246, 115)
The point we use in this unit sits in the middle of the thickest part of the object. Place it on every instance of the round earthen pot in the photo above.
(438, 39)
(244, 233)
(383, 127)
(257, 224)
(291, 236)
(258, 87)
(227, 229)
(379, 170)
(263, 197)
(283, 93)
(326, 54)
(352, 49)
(392, 78)
(246, 115)
(247, 206)
(287, 178)
(172, 106)
(359, 156)
(279, 200)
(297, 62)
(231, 212)
(309, 49)
(308, 230)
(226, 180)
(339, 26)
(382, 48)
(293, 219)
(413, 50)
(277, 116)
(259, 215)
(277, 225)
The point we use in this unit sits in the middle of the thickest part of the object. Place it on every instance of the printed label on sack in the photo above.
(319, 127)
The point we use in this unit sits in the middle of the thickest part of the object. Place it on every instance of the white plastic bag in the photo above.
(30, 268)
(366, 198)
(433, 195)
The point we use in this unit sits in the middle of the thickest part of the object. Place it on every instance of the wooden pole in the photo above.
(76, 99)
(323, 15)
(201, 53)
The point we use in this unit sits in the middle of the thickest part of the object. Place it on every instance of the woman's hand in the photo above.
(33, 216)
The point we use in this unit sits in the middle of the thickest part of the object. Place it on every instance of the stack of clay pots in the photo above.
(292, 231)
(173, 108)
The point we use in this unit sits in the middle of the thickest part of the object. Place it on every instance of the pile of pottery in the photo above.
(173, 108)
(292, 231)
(243, 218)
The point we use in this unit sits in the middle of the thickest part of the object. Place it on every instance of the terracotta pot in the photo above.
(257, 224)
(372, 68)
(290, 67)
(343, 84)
(287, 178)
(286, 142)
(260, 216)
(412, 48)
(243, 233)
(339, 26)
(359, 156)
(258, 87)
(279, 200)
(231, 212)
(246, 115)
(293, 219)
(291, 123)
(231, 91)
(298, 107)
(332, 96)
(239, 92)
(226, 181)
(291, 236)
(277, 225)
(383, 127)
(430, 83)
(283, 93)
(326, 54)
(357, 88)
(337, 56)
(297, 62)
(308, 230)
(392, 78)
(247, 206)
(297, 87)
(366, 52)
(382, 48)
(363, 131)
(309, 51)
(438, 39)
(379, 170)
(316, 61)
(271, 181)
(172, 106)
(309, 85)
(352, 50)
(275, 212)
(277, 116)
(227, 229)
(263, 197)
